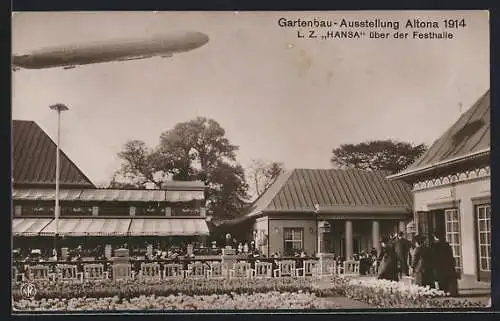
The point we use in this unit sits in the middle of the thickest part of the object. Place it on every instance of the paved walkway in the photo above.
(342, 302)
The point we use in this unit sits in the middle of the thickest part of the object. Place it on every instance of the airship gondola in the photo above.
(133, 49)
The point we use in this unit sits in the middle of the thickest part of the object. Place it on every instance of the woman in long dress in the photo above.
(388, 268)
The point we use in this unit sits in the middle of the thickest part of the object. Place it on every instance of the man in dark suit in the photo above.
(444, 265)
(422, 263)
(402, 249)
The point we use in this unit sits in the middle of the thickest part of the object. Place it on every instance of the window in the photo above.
(186, 211)
(114, 209)
(483, 213)
(76, 210)
(154, 209)
(294, 238)
(452, 220)
(37, 209)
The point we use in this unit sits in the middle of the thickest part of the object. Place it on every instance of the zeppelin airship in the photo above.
(70, 56)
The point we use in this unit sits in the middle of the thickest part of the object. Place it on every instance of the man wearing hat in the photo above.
(402, 248)
(444, 265)
(422, 263)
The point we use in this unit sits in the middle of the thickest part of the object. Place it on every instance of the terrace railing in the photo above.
(95, 272)
(262, 270)
(176, 268)
(150, 271)
(69, 273)
(173, 271)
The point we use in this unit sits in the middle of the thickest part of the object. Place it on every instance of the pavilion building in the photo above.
(452, 190)
(334, 211)
(122, 215)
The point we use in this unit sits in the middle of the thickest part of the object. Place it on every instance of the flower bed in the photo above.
(391, 294)
(190, 287)
(131, 294)
(259, 301)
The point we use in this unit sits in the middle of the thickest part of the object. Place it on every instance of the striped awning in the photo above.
(39, 194)
(89, 227)
(29, 226)
(122, 195)
(184, 196)
(168, 227)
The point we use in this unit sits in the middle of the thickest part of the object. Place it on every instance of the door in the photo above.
(483, 241)
(430, 222)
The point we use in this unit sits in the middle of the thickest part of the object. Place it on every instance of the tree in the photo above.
(193, 150)
(227, 190)
(390, 155)
(261, 174)
(142, 166)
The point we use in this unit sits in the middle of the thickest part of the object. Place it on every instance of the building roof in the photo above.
(468, 137)
(335, 191)
(34, 159)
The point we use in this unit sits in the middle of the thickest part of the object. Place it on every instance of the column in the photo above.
(348, 239)
(376, 234)
(319, 237)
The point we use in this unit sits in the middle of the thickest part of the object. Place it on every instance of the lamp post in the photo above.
(318, 234)
(59, 108)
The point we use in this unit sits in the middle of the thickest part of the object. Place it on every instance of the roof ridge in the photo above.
(280, 180)
(433, 154)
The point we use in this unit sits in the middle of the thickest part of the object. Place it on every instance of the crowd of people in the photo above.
(428, 265)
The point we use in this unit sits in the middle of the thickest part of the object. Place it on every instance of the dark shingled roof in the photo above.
(34, 159)
(469, 135)
(348, 190)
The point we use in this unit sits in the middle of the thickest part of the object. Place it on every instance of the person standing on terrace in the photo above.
(422, 263)
(402, 248)
(388, 269)
(444, 265)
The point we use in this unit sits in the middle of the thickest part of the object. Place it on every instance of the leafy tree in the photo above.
(262, 174)
(142, 166)
(390, 155)
(193, 150)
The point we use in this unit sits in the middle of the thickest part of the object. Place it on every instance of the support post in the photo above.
(376, 235)
(348, 239)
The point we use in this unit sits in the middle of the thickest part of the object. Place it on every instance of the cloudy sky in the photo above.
(278, 97)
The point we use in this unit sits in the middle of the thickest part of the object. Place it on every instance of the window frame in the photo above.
(293, 231)
(455, 230)
(487, 232)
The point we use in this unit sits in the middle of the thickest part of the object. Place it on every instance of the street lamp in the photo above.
(318, 235)
(59, 108)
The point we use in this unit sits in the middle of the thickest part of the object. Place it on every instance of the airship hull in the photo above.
(83, 54)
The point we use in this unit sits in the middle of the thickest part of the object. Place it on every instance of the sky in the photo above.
(279, 98)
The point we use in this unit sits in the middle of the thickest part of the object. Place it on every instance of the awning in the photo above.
(184, 196)
(122, 195)
(89, 227)
(40, 194)
(168, 227)
(29, 226)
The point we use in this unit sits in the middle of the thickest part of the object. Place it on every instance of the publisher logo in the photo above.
(28, 290)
